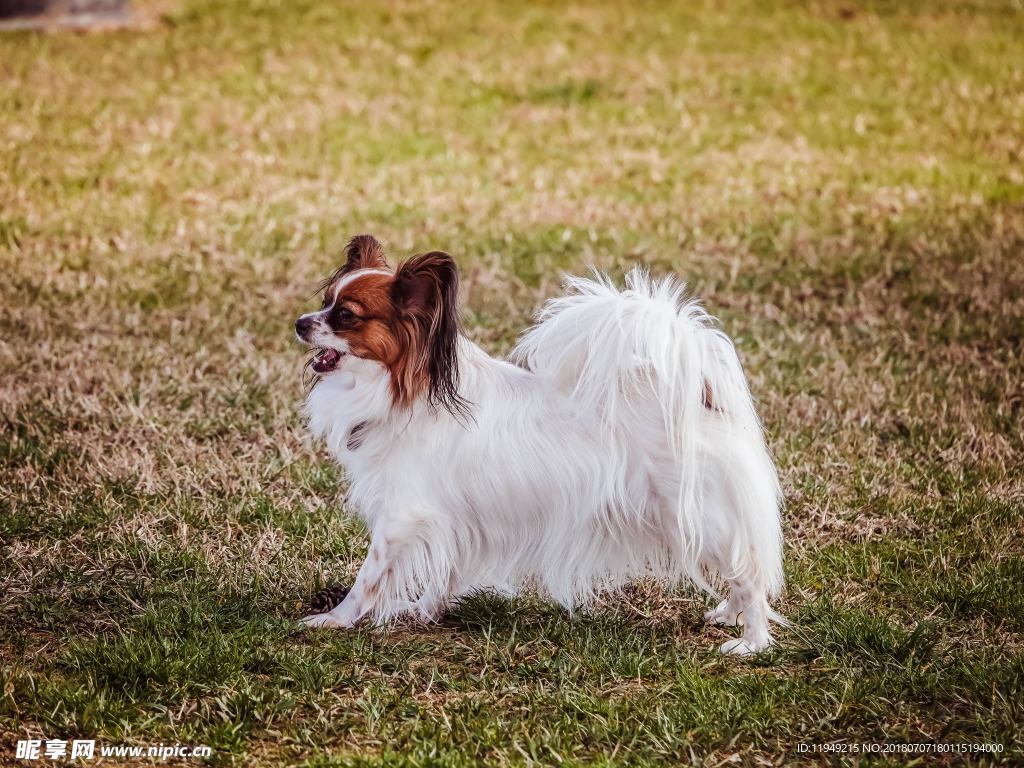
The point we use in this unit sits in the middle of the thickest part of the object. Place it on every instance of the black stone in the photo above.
(35, 14)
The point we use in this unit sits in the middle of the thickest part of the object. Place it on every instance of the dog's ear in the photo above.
(363, 252)
(425, 293)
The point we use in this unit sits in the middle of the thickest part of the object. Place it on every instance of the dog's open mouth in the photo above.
(327, 360)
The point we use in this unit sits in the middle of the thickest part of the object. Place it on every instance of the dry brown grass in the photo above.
(841, 183)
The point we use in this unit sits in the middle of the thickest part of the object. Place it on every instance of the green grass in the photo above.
(842, 182)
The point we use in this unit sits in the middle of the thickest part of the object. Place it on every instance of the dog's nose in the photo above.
(302, 326)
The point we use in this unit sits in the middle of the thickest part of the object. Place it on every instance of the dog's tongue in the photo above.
(326, 361)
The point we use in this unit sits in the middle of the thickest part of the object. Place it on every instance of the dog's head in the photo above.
(405, 319)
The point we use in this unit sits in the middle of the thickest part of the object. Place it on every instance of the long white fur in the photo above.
(593, 462)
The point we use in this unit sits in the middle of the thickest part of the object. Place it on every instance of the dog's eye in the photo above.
(345, 314)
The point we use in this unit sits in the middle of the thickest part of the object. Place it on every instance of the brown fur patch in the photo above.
(407, 321)
(709, 401)
(364, 252)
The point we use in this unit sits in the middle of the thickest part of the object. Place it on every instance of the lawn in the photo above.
(841, 181)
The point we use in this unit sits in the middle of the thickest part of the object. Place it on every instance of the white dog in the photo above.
(623, 444)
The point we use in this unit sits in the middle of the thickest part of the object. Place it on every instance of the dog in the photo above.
(620, 441)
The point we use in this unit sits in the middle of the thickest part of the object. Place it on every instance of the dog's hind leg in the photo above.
(747, 605)
(747, 565)
(726, 614)
(741, 543)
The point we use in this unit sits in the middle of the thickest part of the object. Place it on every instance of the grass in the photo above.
(843, 183)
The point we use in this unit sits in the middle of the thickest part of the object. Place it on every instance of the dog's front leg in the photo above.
(385, 581)
(360, 598)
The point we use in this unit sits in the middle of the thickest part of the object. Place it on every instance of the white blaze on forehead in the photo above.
(334, 291)
(350, 278)
(316, 314)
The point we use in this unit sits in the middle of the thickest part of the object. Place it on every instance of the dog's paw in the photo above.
(743, 647)
(723, 615)
(322, 621)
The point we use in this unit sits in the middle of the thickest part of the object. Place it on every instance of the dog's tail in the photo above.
(646, 357)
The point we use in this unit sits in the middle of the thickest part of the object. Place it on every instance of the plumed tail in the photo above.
(650, 360)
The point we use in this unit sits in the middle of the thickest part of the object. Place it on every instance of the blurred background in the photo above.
(841, 182)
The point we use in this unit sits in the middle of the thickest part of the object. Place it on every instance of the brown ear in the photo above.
(363, 252)
(425, 292)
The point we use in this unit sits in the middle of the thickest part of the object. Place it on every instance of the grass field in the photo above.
(842, 182)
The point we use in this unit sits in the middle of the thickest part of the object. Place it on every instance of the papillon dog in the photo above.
(619, 442)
